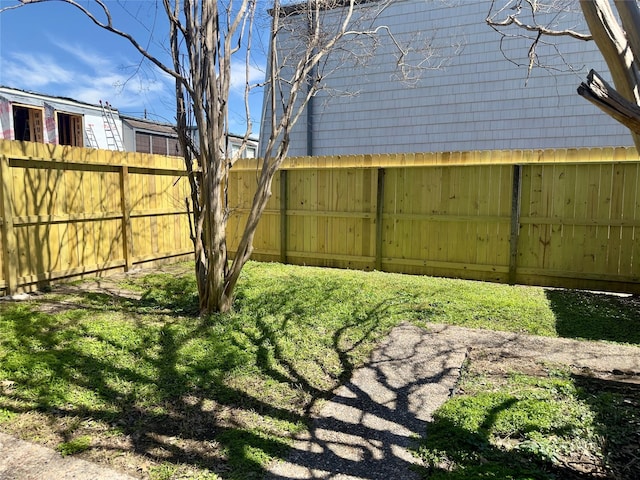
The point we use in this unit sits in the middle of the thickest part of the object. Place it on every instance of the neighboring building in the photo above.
(235, 141)
(477, 99)
(36, 117)
(145, 136)
(41, 118)
(251, 150)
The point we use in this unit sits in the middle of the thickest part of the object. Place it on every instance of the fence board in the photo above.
(74, 211)
(575, 228)
(72, 215)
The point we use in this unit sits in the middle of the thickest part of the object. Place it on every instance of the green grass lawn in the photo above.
(148, 387)
(548, 425)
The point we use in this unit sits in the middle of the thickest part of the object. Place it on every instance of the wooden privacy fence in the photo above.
(564, 218)
(69, 211)
(555, 217)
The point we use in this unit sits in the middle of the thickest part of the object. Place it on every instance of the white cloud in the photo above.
(34, 71)
(84, 74)
(239, 76)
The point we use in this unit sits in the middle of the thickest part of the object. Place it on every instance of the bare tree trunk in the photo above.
(600, 93)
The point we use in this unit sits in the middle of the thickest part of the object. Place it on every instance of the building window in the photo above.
(143, 143)
(157, 144)
(70, 130)
(249, 151)
(27, 124)
(174, 147)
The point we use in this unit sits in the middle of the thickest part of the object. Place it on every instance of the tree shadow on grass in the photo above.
(616, 405)
(166, 411)
(175, 388)
(455, 453)
(596, 316)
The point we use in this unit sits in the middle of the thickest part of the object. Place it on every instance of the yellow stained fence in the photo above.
(563, 218)
(70, 211)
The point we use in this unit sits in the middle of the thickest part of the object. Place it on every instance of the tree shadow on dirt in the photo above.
(166, 384)
(596, 316)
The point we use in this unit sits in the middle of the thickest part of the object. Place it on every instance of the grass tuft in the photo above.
(77, 445)
(544, 426)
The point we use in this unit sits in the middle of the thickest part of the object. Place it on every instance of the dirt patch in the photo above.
(598, 369)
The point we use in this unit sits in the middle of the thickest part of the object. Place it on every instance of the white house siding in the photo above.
(91, 115)
(478, 101)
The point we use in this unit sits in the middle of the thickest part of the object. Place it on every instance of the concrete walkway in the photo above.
(21, 460)
(365, 431)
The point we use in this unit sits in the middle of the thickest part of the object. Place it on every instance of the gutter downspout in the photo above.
(311, 78)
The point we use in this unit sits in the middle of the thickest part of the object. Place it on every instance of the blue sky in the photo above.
(53, 48)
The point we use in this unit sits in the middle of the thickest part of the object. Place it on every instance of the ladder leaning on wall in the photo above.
(114, 142)
(91, 136)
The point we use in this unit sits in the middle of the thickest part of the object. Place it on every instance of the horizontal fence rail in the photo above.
(69, 211)
(563, 218)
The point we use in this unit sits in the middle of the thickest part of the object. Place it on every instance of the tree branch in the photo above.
(539, 29)
(601, 94)
(108, 25)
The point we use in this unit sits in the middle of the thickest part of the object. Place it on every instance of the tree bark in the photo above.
(204, 35)
(616, 50)
(600, 93)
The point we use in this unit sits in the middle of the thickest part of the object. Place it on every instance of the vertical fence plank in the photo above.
(379, 213)
(283, 216)
(8, 234)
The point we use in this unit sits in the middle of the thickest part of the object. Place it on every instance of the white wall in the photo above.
(92, 114)
(479, 101)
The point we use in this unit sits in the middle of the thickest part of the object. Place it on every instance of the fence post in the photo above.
(9, 250)
(516, 199)
(379, 208)
(283, 216)
(127, 247)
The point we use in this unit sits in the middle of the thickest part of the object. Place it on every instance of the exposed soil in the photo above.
(597, 368)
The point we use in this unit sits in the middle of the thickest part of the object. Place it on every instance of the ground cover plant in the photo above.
(124, 372)
(516, 419)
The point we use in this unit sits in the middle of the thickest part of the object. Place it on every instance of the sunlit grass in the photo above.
(532, 427)
(222, 395)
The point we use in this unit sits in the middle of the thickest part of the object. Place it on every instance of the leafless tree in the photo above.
(205, 36)
(614, 27)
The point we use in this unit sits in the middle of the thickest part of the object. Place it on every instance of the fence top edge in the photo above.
(30, 151)
(460, 158)
(63, 154)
